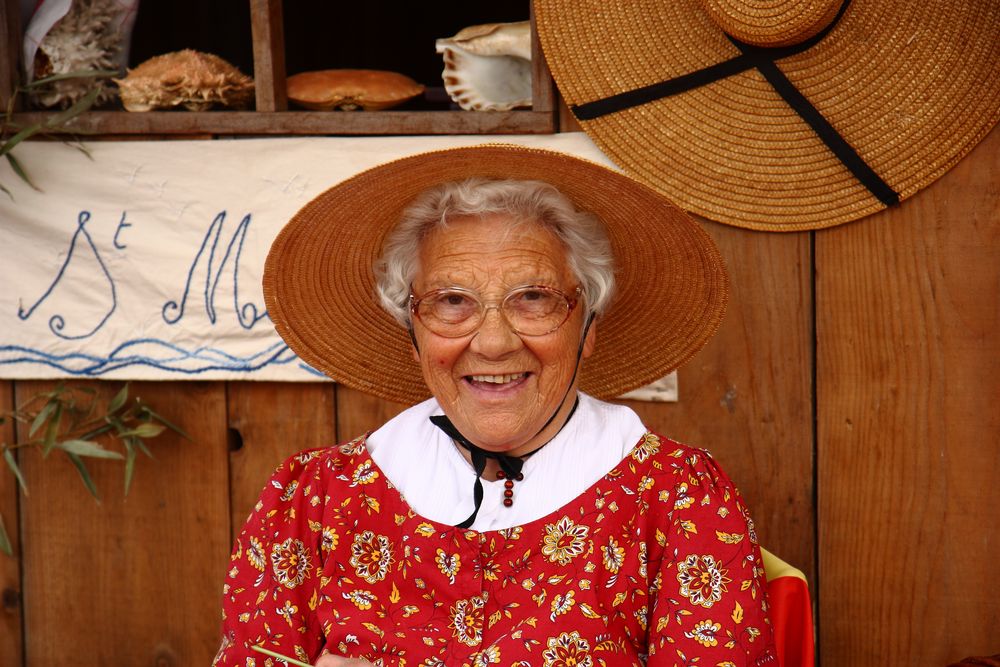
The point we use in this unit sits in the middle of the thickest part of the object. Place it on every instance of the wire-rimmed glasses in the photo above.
(529, 310)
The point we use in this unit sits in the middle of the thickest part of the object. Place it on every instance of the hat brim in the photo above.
(319, 283)
(912, 87)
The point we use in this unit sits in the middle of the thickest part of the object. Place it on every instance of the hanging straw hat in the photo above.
(779, 114)
(319, 284)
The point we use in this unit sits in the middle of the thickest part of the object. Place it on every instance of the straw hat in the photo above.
(909, 88)
(319, 284)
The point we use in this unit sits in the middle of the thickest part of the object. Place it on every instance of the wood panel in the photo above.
(133, 581)
(747, 397)
(268, 55)
(10, 56)
(908, 375)
(270, 421)
(10, 575)
(358, 413)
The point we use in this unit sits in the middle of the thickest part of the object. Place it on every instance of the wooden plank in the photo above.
(358, 413)
(11, 614)
(908, 333)
(306, 122)
(136, 581)
(10, 51)
(270, 421)
(542, 86)
(267, 26)
(747, 396)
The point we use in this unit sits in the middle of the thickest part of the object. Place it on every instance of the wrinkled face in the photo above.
(498, 388)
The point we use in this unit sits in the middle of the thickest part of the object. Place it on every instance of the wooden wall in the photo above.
(850, 394)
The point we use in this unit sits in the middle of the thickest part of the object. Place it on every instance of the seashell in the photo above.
(191, 79)
(351, 89)
(488, 67)
(87, 37)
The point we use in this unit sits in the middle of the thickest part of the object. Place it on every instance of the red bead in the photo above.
(500, 474)
(507, 502)
(509, 484)
(508, 494)
(520, 476)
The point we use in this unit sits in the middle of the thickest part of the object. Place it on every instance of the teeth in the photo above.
(498, 379)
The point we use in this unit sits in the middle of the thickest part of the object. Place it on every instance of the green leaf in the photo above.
(7, 192)
(42, 415)
(26, 133)
(129, 463)
(8, 456)
(119, 400)
(81, 105)
(82, 469)
(87, 448)
(146, 430)
(5, 545)
(176, 429)
(78, 74)
(52, 430)
(19, 170)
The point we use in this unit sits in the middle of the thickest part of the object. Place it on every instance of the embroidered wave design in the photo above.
(158, 354)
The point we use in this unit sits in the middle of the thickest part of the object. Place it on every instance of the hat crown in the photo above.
(772, 23)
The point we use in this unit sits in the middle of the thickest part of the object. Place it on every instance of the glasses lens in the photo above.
(535, 310)
(449, 312)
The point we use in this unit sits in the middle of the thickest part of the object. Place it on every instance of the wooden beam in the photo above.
(267, 24)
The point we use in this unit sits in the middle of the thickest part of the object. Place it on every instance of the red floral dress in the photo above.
(656, 563)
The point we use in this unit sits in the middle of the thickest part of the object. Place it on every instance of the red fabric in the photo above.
(791, 620)
(657, 558)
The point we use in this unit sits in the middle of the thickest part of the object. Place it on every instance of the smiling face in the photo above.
(498, 388)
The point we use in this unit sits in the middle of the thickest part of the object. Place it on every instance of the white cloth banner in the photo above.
(145, 261)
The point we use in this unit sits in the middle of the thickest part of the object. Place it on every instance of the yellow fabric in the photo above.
(774, 567)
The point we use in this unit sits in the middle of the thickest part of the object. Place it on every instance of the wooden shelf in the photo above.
(273, 116)
(304, 122)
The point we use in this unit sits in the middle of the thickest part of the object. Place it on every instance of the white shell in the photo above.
(488, 67)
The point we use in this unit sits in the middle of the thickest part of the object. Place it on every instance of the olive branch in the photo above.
(67, 419)
(54, 124)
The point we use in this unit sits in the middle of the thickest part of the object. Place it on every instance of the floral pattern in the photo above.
(656, 564)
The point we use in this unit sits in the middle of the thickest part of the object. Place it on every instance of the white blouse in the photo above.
(429, 470)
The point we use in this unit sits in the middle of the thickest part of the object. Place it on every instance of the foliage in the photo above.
(67, 419)
(11, 134)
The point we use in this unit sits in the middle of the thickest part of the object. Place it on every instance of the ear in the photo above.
(590, 342)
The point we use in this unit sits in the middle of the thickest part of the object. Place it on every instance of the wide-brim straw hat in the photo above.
(319, 282)
(903, 89)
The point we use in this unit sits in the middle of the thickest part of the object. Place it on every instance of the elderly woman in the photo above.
(510, 518)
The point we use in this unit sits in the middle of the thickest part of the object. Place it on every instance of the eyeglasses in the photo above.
(531, 310)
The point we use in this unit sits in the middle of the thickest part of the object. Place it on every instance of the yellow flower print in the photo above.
(290, 562)
(329, 540)
(648, 446)
(290, 490)
(564, 540)
(361, 599)
(448, 564)
(371, 556)
(702, 580)
(613, 555)
(425, 530)
(364, 474)
(567, 650)
(490, 656)
(511, 533)
(287, 611)
(256, 554)
(562, 604)
(683, 500)
(704, 633)
(467, 620)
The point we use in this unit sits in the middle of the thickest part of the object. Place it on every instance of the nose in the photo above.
(495, 338)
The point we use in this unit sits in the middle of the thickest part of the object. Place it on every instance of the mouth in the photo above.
(496, 382)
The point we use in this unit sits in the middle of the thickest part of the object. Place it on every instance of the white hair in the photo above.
(588, 250)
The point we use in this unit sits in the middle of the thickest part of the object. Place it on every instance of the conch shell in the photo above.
(191, 79)
(488, 67)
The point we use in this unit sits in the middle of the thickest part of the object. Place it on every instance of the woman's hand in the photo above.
(330, 660)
